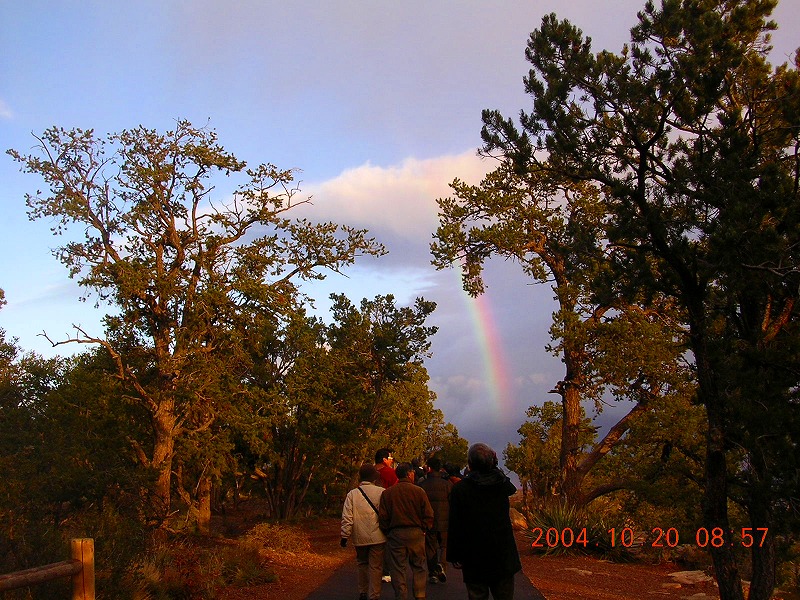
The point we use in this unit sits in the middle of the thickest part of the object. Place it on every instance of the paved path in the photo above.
(342, 586)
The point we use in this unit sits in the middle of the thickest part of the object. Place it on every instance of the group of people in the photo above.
(398, 523)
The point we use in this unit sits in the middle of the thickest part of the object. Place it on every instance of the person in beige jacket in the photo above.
(360, 524)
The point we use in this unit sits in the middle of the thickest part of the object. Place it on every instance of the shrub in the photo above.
(278, 537)
(556, 528)
(183, 569)
(242, 565)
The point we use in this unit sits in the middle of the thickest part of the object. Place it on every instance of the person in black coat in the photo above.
(438, 488)
(480, 536)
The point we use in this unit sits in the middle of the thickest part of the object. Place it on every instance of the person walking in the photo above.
(419, 471)
(360, 524)
(438, 487)
(453, 473)
(384, 462)
(480, 536)
(405, 514)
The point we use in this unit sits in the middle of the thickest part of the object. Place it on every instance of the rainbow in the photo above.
(495, 370)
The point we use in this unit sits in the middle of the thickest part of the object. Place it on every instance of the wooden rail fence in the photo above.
(80, 567)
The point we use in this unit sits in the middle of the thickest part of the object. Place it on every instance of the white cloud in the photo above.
(5, 110)
(399, 199)
(534, 378)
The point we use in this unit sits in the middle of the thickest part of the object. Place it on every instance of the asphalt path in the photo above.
(342, 585)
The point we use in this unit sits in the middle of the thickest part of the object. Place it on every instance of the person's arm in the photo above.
(347, 519)
(383, 513)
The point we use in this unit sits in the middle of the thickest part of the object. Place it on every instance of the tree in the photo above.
(381, 347)
(536, 459)
(693, 138)
(662, 453)
(322, 396)
(443, 441)
(177, 268)
(68, 468)
(292, 417)
(555, 230)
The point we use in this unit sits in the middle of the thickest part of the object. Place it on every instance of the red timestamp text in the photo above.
(659, 537)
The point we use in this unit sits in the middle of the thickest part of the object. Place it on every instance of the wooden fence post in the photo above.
(83, 582)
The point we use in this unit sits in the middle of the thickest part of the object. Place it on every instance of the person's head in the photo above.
(384, 457)
(481, 458)
(452, 470)
(434, 465)
(405, 470)
(368, 472)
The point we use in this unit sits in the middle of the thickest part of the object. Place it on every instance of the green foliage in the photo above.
(382, 385)
(68, 470)
(319, 395)
(208, 372)
(611, 345)
(180, 270)
(536, 459)
(443, 441)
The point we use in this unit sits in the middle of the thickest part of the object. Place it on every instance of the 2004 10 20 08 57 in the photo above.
(658, 538)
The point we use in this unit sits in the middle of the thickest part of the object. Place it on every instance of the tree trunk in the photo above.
(763, 553)
(715, 513)
(204, 505)
(715, 496)
(571, 477)
(763, 583)
(163, 451)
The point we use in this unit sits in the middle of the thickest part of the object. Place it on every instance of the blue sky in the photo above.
(377, 103)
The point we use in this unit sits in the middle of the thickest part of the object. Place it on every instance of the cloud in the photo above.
(534, 378)
(5, 110)
(399, 199)
(397, 204)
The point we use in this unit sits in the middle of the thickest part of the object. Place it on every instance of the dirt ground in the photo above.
(557, 578)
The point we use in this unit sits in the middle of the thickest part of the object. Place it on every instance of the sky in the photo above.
(376, 104)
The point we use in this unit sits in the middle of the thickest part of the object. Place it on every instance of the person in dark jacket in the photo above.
(438, 487)
(405, 514)
(480, 537)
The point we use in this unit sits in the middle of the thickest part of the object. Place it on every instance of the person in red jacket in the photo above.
(384, 462)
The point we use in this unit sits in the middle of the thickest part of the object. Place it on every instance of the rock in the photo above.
(518, 521)
(578, 571)
(691, 556)
(690, 577)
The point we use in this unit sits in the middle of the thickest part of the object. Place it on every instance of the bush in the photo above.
(278, 537)
(556, 528)
(242, 565)
(183, 569)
